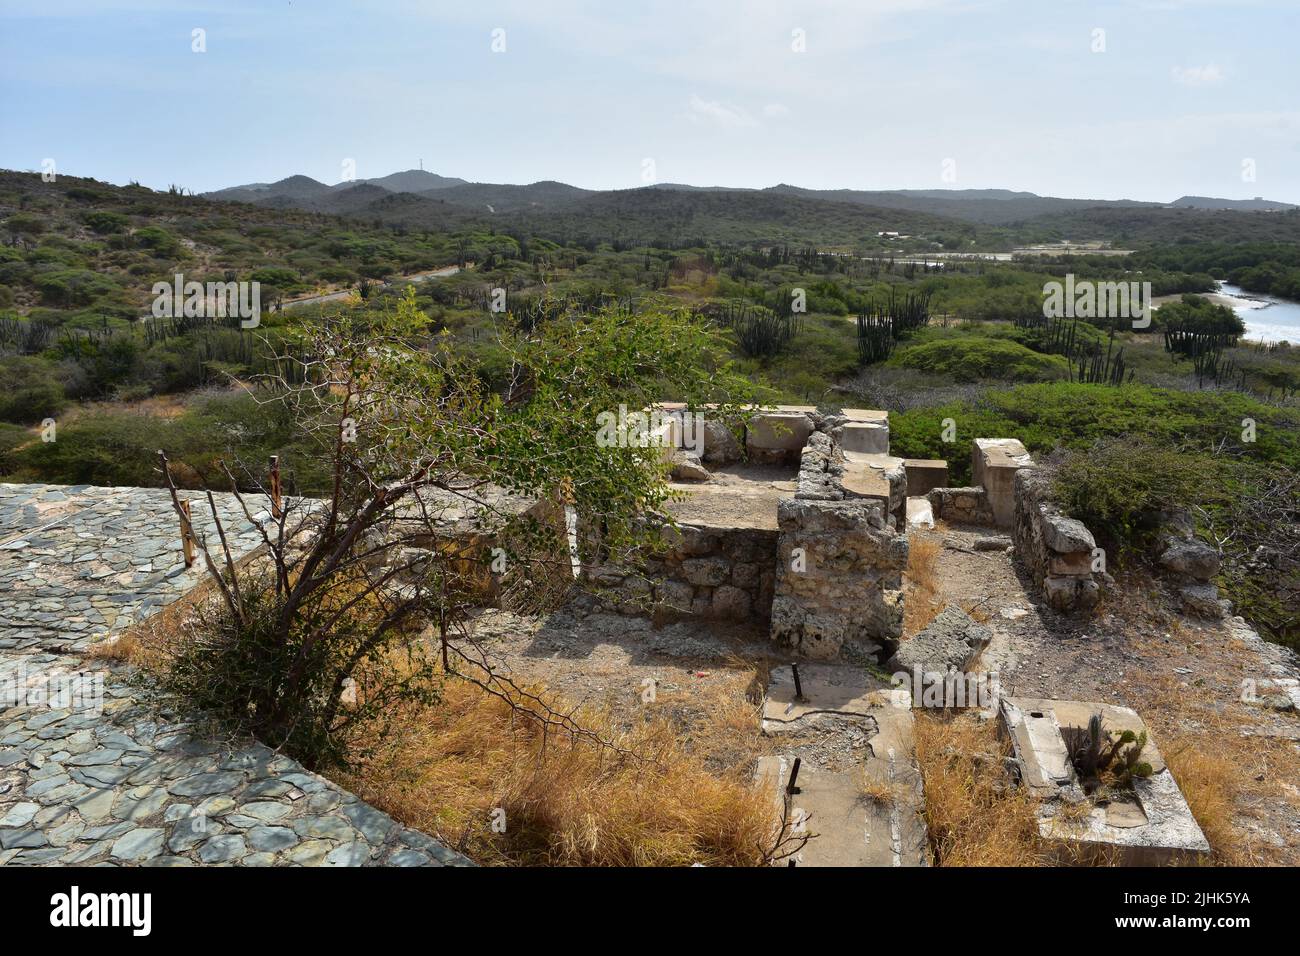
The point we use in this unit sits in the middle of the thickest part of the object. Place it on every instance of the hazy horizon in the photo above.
(1170, 98)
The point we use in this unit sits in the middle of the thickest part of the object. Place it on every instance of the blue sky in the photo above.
(882, 94)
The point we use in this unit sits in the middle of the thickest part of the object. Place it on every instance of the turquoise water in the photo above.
(1267, 318)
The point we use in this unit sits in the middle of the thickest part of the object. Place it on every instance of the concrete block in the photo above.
(924, 475)
(870, 438)
(994, 463)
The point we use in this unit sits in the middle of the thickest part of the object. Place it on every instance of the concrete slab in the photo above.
(779, 431)
(876, 476)
(857, 814)
(1151, 825)
(865, 415)
(919, 513)
(826, 690)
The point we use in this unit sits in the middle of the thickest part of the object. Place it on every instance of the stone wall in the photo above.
(1057, 551)
(718, 573)
(961, 505)
(839, 564)
(1191, 564)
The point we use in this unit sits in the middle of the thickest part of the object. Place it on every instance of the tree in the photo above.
(324, 632)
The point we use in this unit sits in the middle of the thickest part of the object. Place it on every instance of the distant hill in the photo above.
(411, 181)
(676, 213)
(1256, 204)
(987, 206)
(295, 188)
(494, 197)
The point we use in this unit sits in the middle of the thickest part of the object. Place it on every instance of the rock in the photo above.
(992, 543)
(731, 602)
(706, 572)
(264, 811)
(408, 858)
(1071, 593)
(21, 839)
(1067, 535)
(190, 832)
(1203, 600)
(1193, 558)
(374, 825)
(226, 848)
(349, 854)
(952, 640)
(19, 814)
(202, 784)
(329, 828)
(674, 595)
(139, 844)
(686, 466)
(271, 839)
(720, 445)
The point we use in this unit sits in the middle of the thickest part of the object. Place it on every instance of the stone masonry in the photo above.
(1058, 551)
(839, 565)
(90, 772)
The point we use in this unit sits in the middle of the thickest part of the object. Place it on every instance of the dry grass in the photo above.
(974, 815)
(921, 602)
(573, 803)
(876, 790)
(1224, 776)
(125, 648)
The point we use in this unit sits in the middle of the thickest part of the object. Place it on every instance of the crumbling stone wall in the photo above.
(1191, 563)
(1058, 551)
(717, 573)
(839, 564)
(961, 505)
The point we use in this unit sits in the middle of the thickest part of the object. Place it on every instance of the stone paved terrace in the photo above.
(102, 779)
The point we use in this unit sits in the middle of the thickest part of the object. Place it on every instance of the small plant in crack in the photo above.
(1093, 750)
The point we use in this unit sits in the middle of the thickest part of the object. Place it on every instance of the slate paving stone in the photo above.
(114, 783)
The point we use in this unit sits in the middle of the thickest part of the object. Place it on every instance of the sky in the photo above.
(1141, 99)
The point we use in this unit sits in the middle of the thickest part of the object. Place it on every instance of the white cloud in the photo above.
(717, 113)
(1208, 75)
(776, 111)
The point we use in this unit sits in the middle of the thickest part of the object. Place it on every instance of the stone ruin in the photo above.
(803, 530)
(1149, 825)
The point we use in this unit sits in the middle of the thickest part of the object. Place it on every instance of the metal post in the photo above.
(794, 775)
(798, 685)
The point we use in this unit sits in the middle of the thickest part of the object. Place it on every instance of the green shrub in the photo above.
(33, 391)
(1117, 485)
(972, 358)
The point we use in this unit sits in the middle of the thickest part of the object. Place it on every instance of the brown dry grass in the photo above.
(921, 601)
(1225, 776)
(974, 815)
(569, 802)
